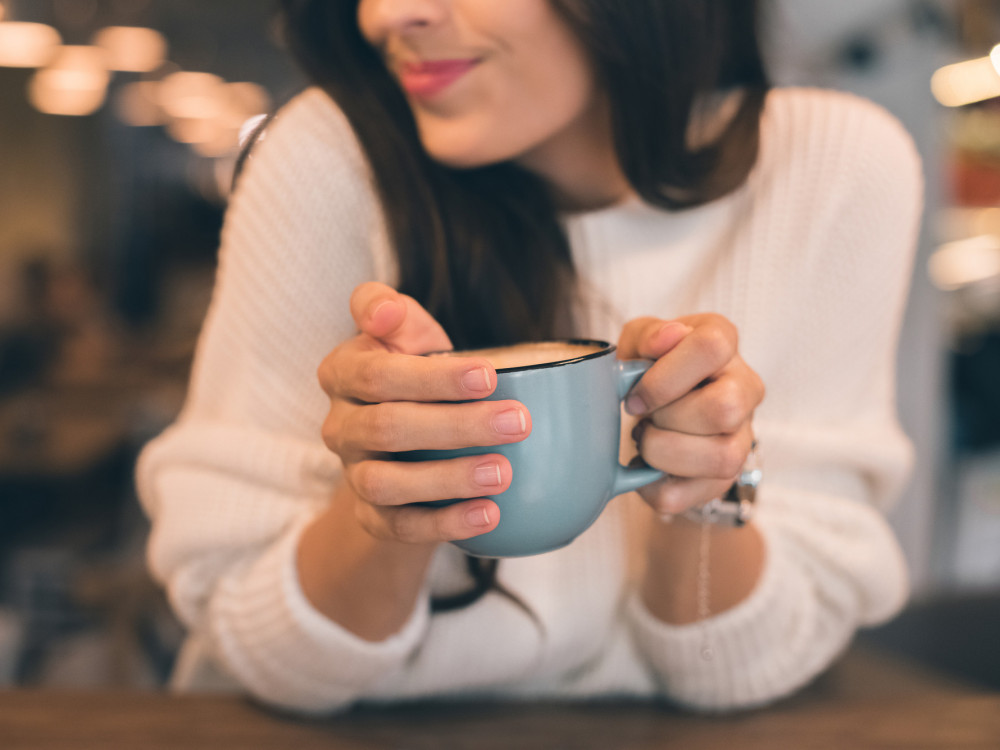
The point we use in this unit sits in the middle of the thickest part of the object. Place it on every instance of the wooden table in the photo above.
(867, 701)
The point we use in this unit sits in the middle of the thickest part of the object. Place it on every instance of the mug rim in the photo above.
(605, 348)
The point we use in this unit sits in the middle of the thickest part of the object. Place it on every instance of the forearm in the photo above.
(670, 584)
(368, 586)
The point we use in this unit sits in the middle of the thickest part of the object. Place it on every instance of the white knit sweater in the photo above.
(810, 259)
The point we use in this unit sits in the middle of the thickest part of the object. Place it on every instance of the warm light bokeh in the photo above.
(27, 45)
(956, 264)
(966, 82)
(74, 83)
(132, 48)
(191, 95)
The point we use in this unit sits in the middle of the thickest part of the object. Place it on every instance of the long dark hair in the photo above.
(482, 249)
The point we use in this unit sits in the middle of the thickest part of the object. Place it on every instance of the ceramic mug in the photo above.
(567, 470)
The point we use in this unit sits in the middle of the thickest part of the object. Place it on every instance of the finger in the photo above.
(374, 375)
(694, 456)
(702, 353)
(401, 482)
(722, 406)
(407, 426)
(397, 320)
(676, 495)
(650, 338)
(418, 524)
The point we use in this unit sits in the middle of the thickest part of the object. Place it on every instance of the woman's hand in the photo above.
(695, 403)
(386, 398)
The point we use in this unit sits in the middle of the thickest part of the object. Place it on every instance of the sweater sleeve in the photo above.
(844, 202)
(230, 486)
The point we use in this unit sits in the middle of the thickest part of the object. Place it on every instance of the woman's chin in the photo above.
(457, 155)
(462, 160)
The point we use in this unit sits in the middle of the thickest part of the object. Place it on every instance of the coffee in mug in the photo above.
(567, 470)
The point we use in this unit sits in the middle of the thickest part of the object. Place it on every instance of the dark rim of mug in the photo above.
(605, 348)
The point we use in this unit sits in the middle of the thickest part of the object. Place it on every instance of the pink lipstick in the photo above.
(428, 77)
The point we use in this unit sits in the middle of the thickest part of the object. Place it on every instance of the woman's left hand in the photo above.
(695, 406)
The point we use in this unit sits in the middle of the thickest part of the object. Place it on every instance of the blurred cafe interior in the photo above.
(120, 125)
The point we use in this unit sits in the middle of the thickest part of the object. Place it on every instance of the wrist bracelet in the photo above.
(736, 506)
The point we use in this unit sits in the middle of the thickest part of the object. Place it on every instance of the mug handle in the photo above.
(632, 478)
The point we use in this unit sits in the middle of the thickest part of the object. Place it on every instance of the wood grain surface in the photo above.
(864, 703)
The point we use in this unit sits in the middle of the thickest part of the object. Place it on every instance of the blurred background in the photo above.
(120, 123)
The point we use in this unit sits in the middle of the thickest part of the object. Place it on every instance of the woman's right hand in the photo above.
(387, 398)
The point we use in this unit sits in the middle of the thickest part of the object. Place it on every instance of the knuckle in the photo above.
(403, 526)
(370, 521)
(716, 345)
(381, 427)
(326, 374)
(759, 388)
(728, 409)
(729, 458)
(331, 434)
(664, 501)
(725, 328)
(369, 482)
(370, 379)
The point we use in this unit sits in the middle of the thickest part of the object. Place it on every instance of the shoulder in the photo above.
(310, 139)
(305, 209)
(811, 133)
(307, 182)
(826, 117)
(832, 163)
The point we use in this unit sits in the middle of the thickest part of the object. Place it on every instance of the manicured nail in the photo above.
(634, 405)
(488, 475)
(478, 517)
(477, 380)
(379, 307)
(674, 327)
(510, 422)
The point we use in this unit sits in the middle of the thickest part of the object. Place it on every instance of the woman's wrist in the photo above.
(366, 584)
(670, 585)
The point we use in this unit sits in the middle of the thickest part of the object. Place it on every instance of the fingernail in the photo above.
(634, 405)
(488, 475)
(379, 307)
(510, 422)
(477, 380)
(678, 329)
(478, 517)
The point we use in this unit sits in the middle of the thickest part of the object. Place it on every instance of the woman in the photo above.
(496, 172)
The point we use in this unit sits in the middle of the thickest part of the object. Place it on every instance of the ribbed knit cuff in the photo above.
(755, 645)
(286, 652)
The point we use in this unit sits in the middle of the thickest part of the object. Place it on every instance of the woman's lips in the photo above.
(428, 77)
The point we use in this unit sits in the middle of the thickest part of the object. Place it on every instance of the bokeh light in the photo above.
(27, 45)
(132, 48)
(966, 82)
(74, 83)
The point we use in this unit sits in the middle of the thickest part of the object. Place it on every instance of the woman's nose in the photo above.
(377, 18)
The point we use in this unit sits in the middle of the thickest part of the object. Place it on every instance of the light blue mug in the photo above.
(567, 470)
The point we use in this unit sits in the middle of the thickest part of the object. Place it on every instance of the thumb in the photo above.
(397, 320)
(650, 338)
